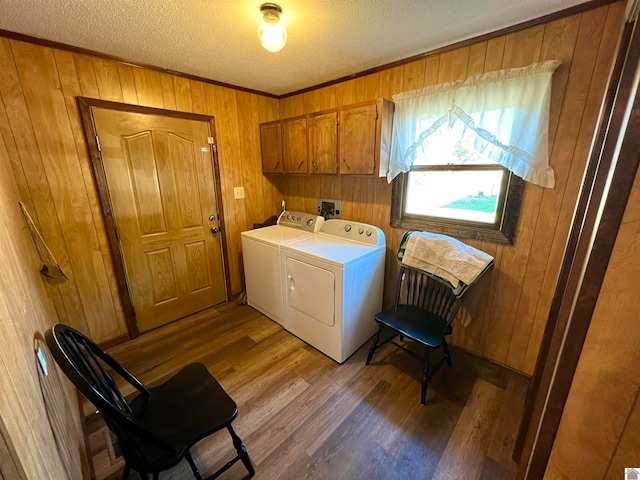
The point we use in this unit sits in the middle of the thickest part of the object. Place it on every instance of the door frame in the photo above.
(607, 183)
(85, 104)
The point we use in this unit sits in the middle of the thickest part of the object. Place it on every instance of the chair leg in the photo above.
(447, 354)
(242, 452)
(196, 472)
(425, 377)
(127, 471)
(374, 343)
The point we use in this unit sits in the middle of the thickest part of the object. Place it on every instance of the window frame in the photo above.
(508, 209)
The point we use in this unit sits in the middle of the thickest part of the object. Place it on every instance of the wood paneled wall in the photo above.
(599, 434)
(41, 129)
(508, 311)
(40, 125)
(39, 423)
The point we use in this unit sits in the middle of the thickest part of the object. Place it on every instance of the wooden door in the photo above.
(271, 147)
(323, 142)
(162, 190)
(294, 144)
(358, 138)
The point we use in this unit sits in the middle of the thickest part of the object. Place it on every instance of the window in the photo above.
(461, 152)
(463, 193)
(453, 189)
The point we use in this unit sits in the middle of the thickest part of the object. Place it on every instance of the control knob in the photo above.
(361, 230)
(310, 222)
(347, 228)
(369, 232)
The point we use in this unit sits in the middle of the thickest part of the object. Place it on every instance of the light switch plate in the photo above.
(238, 192)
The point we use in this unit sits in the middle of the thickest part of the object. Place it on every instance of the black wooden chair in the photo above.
(155, 429)
(423, 310)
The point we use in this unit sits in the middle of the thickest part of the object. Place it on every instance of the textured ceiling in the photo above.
(217, 39)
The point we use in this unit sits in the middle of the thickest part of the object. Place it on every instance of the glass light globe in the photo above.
(271, 31)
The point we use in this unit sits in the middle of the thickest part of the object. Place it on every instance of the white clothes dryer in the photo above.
(333, 284)
(261, 255)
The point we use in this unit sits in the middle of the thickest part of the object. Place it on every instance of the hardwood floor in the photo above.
(303, 416)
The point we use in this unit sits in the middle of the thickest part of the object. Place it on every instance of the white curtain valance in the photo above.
(503, 115)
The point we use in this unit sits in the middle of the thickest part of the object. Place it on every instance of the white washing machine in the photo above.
(333, 285)
(261, 254)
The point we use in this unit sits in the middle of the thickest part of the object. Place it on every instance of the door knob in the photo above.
(214, 230)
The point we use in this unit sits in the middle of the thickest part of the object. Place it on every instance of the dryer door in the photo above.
(310, 290)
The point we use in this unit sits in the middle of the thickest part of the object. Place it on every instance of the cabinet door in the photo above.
(358, 139)
(271, 146)
(323, 142)
(294, 144)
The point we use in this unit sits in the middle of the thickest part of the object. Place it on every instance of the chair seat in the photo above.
(416, 323)
(184, 409)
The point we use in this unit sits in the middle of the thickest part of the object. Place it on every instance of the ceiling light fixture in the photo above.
(271, 31)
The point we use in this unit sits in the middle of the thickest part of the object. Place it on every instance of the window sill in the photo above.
(457, 231)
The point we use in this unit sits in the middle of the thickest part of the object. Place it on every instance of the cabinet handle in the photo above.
(315, 165)
(346, 164)
(276, 167)
(299, 166)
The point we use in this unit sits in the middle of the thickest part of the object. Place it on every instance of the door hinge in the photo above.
(98, 143)
(117, 234)
(215, 153)
(337, 120)
(376, 112)
(211, 141)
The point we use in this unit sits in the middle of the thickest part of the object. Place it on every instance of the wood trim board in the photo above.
(598, 217)
(570, 251)
(583, 7)
(567, 12)
(85, 51)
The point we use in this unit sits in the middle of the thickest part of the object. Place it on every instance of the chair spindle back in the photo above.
(418, 289)
(91, 369)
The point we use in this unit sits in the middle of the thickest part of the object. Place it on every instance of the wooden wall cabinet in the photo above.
(364, 136)
(271, 147)
(351, 140)
(295, 151)
(323, 142)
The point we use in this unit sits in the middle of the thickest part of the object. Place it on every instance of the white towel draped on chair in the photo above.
(445, 257)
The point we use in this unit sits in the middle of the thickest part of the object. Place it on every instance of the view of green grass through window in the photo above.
(462, 195)
(441, 184)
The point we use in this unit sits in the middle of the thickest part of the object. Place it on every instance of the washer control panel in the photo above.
(358, 232)
(300, 220)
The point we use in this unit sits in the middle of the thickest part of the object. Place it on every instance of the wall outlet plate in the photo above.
(238, 192)
(329, 208)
